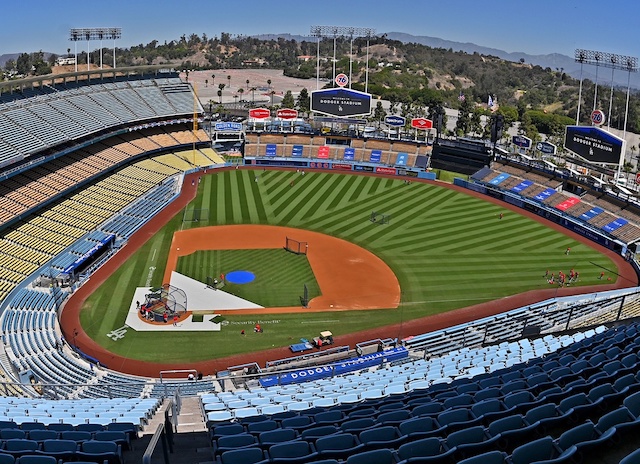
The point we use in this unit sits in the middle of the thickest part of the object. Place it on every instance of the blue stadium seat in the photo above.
(339, 446)
(378, 456)
(293, 452)
(386, 436)
(244, 456)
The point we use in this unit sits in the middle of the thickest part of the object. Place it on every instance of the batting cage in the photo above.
(294, 246)
(166, 299)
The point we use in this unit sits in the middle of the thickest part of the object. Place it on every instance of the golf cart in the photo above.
(325, 338)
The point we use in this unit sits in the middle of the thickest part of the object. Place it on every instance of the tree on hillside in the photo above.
(304, 101)
(379, 113)
(287, 100)
(463, 123)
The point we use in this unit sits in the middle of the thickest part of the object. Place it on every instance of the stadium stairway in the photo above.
(191, 445)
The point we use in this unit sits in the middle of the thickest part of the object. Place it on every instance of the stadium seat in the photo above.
(424, 448)
(19, 446)
(631, 458)
(339, 446)
(378, 456)
(511, 431)
(382, 437)
(61, 449)
(244, 456)
(272, 437)
(421, 427)
(229, 442)
(96, 451)
(540, 450)
(491, 457)
(293, 452)
(36, 459)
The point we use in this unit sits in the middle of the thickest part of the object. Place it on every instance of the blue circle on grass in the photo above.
(240, 277)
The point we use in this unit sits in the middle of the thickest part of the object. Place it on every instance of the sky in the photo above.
(540, 27)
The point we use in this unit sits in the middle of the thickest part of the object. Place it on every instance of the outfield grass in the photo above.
(448, 250)
(279, 274)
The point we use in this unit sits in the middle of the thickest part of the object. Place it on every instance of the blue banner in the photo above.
(95, 250)
(401, 160)
(375, 156)
(296, 151)
(614, 225)
(271, 149)
(349, 154)
(499, 178)
(593, 212)
(355, 364)
(521, 186)
(228, 126)
(546, 193)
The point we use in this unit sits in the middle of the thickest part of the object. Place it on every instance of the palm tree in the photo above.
(206, 82)
(269, 83)
(213, 79)
(247, 82)
(272, 93)
(229, 79)
(253, 95)
(220, 96)
(220, 87)
(240, 91)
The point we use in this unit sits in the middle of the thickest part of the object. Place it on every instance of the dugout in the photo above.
(93, 255)
(461, 155)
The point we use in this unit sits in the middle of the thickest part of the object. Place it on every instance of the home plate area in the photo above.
(199, 298)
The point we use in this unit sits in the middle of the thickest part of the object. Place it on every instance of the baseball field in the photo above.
(447, 250)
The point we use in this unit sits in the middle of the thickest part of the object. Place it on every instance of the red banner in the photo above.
(287, 113)
(568, 203)
(259, 113)
(380, 170)
(323, 152)
(344, 167)
(422, 123)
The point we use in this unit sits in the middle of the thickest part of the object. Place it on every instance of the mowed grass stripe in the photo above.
(447, 249)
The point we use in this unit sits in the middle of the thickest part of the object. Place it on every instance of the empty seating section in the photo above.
(628, 233)
(580, 398)
(29, 125)
(25, 191)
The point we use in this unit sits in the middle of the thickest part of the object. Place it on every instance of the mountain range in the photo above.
(555, 61)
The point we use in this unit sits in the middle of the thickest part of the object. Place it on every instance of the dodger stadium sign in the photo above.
(341, 102)
(594, 144)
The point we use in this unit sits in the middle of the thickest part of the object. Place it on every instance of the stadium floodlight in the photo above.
(613, 61)
(95, 33)
(341, 31)
(606, 60)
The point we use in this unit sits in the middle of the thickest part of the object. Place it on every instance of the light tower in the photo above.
(94, 33)
(341, 31)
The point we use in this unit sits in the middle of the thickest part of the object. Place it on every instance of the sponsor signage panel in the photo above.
(341, 102)
(354, 364)
(521, 141)
(296, 151)
(323, 152)
(401, 160)
(546, 148)
(597, 117)
(315, 164)
(342, 166)
(287, 113)
(259, 113)
(228, 126)
(593, 144)
(349, 154)
(375, 156)
(395, 121)
(381, 170)
(360, 167)
(422, 123)
(271, 149)
(406, 172)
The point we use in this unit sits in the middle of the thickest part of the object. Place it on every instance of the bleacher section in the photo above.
(67, 113)
(534, 410)
(595, 211)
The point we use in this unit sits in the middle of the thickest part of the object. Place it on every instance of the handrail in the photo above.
(164, 432)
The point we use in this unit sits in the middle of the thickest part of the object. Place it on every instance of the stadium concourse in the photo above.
(465, 384)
